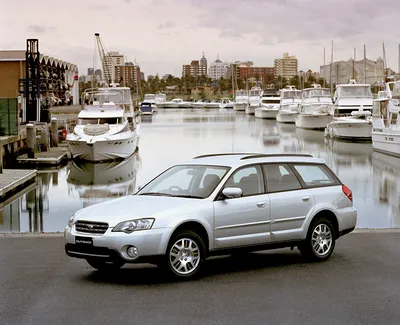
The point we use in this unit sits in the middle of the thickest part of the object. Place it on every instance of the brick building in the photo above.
(129, 73)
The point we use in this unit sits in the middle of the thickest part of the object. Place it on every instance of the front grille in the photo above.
(91, 227)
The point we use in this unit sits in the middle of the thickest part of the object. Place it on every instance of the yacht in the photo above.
(108, 128)
(185, 104)
(213, 104)
(254, 102)
(225, 102)
(386, 120)
(353, 121)
(316, 109)
(270, 105)
(230, 104)
(241, 100)
(160, 100)
(289, 105)
(174, 103)
(150, 99)
(199, 103)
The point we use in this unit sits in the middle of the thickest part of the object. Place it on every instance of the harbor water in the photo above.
(173, 136)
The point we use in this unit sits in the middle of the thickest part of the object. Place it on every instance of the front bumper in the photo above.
(150, 244)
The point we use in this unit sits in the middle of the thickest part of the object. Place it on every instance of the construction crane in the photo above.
(105, 60)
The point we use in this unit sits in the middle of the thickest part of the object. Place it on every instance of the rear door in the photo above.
(290, 202)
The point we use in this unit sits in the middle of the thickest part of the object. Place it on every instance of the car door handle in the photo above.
(306, 198)
(261, 204)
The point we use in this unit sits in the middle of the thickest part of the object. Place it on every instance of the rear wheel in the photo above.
(320, 241)
(185, 255)
(104, 265)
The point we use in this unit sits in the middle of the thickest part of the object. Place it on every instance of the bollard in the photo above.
(54, 132)
(1, 157)
(31, 140)
(44, 138)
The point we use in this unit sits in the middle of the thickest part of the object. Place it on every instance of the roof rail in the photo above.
(226, 154)
(252, 156)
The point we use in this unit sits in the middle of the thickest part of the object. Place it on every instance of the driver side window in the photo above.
(248, 179)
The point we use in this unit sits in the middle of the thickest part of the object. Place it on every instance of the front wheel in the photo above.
(185, 255)
(320, 241)
(104, 265)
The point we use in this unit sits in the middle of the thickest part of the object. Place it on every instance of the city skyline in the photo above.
(181, 30)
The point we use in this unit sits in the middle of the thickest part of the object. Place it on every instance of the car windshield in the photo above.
(190, 181)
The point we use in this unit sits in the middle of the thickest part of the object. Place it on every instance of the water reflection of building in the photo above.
(97, 182)
(386, 175)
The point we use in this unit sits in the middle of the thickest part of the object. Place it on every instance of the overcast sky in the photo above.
(164, 34)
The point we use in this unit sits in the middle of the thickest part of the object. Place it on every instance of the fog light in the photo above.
(132, 251)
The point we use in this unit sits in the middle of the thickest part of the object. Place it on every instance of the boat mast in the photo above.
(354, 58)
(324, 69)
(365, 64)
(330, 73)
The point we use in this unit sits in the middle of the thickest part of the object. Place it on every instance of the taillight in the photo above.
(347, 192)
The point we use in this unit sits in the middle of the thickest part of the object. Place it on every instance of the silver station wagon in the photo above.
(217, 204)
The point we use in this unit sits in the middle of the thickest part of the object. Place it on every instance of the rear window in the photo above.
(315, 175)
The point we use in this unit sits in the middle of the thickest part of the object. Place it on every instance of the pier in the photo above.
(14, 180)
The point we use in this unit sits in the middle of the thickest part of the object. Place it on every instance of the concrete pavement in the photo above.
(360, 284)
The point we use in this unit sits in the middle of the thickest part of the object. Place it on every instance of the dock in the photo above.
(14, 180)
(55, 156)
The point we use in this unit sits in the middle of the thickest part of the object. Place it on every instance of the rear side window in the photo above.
(280, 178)
(315, 175)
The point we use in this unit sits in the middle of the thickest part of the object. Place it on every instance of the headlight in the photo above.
(71, 221)
(134, 225)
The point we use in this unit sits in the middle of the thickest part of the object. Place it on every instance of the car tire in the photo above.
(320, 241)
(104, 265)
(185, 255)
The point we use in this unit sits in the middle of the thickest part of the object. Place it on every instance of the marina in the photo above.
(173, 135)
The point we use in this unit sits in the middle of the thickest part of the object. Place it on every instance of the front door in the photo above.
(245, 220)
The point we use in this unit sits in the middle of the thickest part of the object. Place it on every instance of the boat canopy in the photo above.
(241, 93)
(354, 91)
(316, 92)
(286, 94)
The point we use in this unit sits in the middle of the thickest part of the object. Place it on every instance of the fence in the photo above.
(8, 116)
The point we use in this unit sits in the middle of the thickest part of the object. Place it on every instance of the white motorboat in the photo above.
(150, 99)
(316, 109)
(199, 103)
(213, 104)
(356, 127)
(102, 181)
(230, 104)
(160, 100)
(289, 105)
(386, 121)
(269, 108)
(349, 97)
(185, 104)
(224, 102)
(241, 100)
(174, 103)
(357, 100)
(108, 129)
(254, 102)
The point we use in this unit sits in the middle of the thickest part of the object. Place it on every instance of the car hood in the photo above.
(133, 207)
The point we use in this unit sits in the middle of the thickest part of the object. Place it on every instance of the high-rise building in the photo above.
(114, 59)
(127, 75)
(367, 71)
(219, 69)
(287, 66)
(196, 68)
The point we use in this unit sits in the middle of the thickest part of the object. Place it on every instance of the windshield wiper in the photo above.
(189, 196)
(156, 194)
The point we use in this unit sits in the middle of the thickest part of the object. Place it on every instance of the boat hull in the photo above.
(239, 106)
(313, 121)
(266, 113)
(250, 109)
(386, 142)
(97, 150)
(286, 117)
(349, 130)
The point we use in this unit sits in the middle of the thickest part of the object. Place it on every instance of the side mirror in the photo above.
(232, 192)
